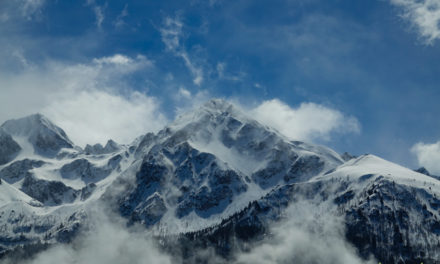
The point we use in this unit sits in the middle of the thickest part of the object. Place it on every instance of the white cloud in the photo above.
(186, 101)
(428, 156)
(96, 116)
(310, 234)
(308, 122)
(30, 8)
(183, 94)
(223, 74)
(119, 22)
(221, 69)
(108, 241)
(99, 16)
(172, 33)
(91, 102)
(117, 59)
(424, 15)
(196, 71)
(16, 10)
(99, 12)
(122, 63)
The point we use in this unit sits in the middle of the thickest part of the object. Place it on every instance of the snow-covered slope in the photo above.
(45, 138)
(211, 163)
(9, 194)
(390, 211)
(48, 182)
(215, 169)
(367, 167)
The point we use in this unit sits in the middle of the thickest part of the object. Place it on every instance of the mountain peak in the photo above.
(25, 125)
(218, 104)
(423, 170)
(110, 147)
(213, 110)
(46, 138)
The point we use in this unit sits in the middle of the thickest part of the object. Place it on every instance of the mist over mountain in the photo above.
(213, 186)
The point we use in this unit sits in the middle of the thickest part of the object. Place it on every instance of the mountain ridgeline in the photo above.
(213, 179)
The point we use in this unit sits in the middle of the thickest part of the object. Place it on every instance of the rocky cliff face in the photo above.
(9, 148)
(213, 178)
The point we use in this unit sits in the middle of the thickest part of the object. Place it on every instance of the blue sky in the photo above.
(373, 65)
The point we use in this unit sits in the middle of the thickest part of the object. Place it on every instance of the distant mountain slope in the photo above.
(46, 138)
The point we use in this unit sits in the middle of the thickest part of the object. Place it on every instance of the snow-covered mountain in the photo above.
(212, 171)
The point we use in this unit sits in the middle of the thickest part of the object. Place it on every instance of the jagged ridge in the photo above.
(212, 175)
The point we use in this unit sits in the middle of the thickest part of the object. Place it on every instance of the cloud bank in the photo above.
(92, 102)
(424, 15)
(109, 242)
(96, 116)
(307, 122)
(428, 156)
(310, 233)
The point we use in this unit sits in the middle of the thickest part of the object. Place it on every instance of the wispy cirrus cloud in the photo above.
(223, 73)
(424, 15)
(99, 12)
(172, 33)
(119, 22)
(30, 8)
(21, 9)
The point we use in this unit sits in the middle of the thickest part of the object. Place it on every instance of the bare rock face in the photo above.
(48, 192)
(18, 170)
(84, 170)
(9, 149)
(97, 149)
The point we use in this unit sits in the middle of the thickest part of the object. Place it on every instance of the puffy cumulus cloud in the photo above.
(311, 233)
(424, 15)
(308, 122)
(428, 156)
(91, 101)
(96, 116)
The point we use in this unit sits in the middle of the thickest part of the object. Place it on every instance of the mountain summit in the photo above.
(46, 138)
(218, 160)
(213, 178)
